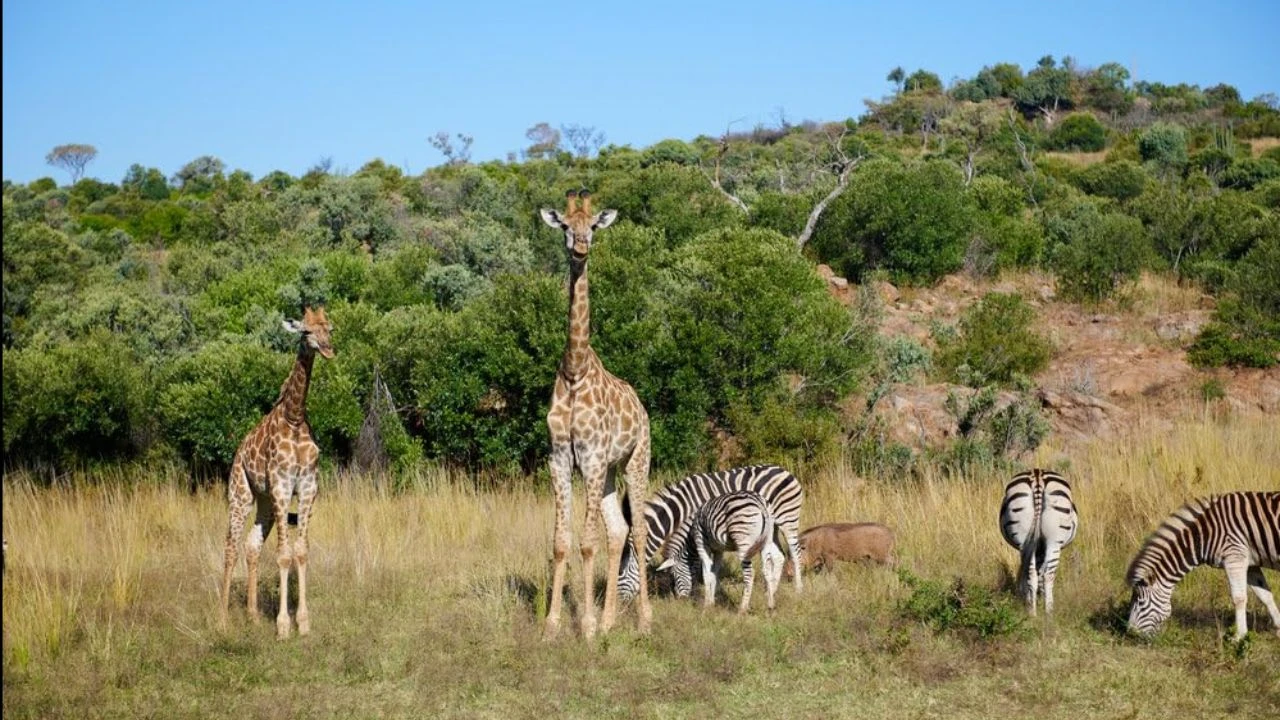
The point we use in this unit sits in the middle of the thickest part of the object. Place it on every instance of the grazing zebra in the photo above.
(670, 513)
(1038, 519)
(738, 521)
(1238, 532)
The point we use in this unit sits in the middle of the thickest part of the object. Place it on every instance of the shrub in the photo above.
(996, 341)
(73, 403)
(1248, 173)
(211, 399)
(1246, 324)
(1079, 132)
(1095, 252)
(1121, 180)
(481, 379)
(1164, 145)
(677, 200)
(913, 221)
(960, 606)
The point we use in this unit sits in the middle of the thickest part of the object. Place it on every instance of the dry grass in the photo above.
(1260, 145)
(1079, 159)
(429, 603)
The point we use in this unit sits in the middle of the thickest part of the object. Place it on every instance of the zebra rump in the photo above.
(1038, 518)
(670, 513)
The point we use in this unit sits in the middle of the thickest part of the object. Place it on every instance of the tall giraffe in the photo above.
(597, 424)
(276, 461)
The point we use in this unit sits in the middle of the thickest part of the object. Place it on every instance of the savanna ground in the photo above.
(429, 603)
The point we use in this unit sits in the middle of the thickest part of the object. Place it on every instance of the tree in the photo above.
(453, 155)
(896, 76)
(1104, 89)
(584, 140)
(200, 175)
(1046, 89)
(923, 81)
(72, 158)
(545, 141)
(974, 125)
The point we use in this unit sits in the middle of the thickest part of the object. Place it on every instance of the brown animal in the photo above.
(822, 545)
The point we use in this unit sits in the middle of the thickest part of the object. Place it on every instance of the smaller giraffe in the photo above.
(275, 462)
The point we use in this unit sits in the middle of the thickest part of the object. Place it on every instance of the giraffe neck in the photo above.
(293, 394)
(579, 349)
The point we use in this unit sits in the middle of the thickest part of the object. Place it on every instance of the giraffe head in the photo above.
(577, 222)
(314, 329)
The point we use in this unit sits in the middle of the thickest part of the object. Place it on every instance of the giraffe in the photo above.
(597, 424)
(276, 461)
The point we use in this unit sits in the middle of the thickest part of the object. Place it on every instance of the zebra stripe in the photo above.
(1039, 519)
(1238, 532)
(670, 513)
(738, 521)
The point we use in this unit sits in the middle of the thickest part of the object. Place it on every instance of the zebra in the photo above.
(670, 513)
(738, 521)
(1238, 532)
(1038, 519)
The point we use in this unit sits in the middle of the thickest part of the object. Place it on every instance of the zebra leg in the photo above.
(637, 473)
(1237, 573)
(708, 573)
(1258, 583)
(1031, 581)
(1047, 573)
(748, 580)
(793, 545)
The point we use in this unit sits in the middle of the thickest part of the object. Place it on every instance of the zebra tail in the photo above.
(765, 535)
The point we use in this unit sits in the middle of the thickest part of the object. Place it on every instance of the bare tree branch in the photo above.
(844, 167)
(715, 180)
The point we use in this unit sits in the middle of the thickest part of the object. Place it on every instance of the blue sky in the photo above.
(280, 85)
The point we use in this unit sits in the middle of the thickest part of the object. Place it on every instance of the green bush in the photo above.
(960, 606)
(1095, 253)
(1248, 173)
(75, 402)
(674, 199)
(1246, 324)
(1079, 132)
(1121, 180)
(1165, 146)
(913, 221)
(996, 342)
(481, 379)
(211, 399)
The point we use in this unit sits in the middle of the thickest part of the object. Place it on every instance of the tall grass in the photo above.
(430, 601)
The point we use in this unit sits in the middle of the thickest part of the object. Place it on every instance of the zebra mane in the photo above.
(1169, 533)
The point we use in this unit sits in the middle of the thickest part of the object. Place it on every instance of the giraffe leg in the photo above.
(561, 483)
(1258, 583)
(615, 537)
(637, 470)
(239, 501)
(306, 497)
(593, 472)
(281, 494)
(263, 521)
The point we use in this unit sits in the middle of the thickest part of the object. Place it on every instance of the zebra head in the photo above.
(1150, 606)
